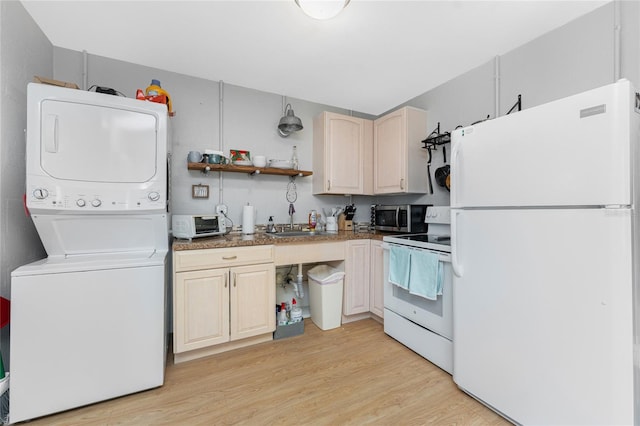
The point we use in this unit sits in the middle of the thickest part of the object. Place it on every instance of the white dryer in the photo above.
(88, 322)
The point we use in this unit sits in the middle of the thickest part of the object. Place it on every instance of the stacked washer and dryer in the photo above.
(88, 321)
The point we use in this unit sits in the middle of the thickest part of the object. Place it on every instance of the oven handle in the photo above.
(442, 257)
(455, 264)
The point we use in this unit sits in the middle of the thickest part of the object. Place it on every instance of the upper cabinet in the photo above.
(342, 154)
(400, 162)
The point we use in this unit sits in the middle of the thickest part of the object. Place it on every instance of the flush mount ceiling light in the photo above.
(322, 9)
(289, 123)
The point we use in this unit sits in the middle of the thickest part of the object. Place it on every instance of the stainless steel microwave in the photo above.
(399, 218)
(195, 226)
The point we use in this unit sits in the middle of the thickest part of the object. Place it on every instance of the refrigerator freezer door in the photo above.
(572, 152)
(543, 313)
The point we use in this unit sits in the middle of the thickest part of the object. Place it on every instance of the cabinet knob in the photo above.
(402, 184)
(328, 185)
(229, 257)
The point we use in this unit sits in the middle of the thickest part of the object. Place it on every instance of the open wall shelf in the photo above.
(246, 169)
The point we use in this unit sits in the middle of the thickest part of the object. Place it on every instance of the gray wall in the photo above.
(19, 243)
(249, 121)
(573, 58)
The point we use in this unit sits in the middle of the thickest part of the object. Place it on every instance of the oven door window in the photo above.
(205, 225)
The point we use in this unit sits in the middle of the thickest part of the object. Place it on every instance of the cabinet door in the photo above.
(253, 300)
(342, 160)
(201, 316)
(376, 299)
(357, 275)
(390, 153)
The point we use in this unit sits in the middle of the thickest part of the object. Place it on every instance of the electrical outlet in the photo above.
(221, 209)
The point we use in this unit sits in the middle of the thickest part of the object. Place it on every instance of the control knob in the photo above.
(96, 203)
(154, 196)
(80, 202)
(40, 193)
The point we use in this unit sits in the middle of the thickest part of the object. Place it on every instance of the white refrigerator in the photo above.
(546, 260)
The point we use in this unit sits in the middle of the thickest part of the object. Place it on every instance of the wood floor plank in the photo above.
(352, 375)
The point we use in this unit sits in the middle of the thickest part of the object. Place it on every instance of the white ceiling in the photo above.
(372, 57)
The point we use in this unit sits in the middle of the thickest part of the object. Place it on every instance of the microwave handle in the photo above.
(398, 217)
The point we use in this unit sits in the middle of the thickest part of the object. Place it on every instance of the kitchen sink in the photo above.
(286, 234)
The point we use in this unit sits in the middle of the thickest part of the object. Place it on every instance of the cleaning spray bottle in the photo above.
(282, 316)
(296, 312)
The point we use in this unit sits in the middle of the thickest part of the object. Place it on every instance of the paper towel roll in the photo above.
(248, 219)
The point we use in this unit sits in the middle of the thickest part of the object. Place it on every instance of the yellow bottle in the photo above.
(155, 90)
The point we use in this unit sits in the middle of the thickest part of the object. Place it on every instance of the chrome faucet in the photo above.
(292, 210)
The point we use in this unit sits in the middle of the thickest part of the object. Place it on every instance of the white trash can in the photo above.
(325, 296)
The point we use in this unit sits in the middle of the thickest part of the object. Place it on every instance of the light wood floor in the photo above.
(353, 375)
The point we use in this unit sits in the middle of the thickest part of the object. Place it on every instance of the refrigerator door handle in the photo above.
(455, 172)
(455, 264)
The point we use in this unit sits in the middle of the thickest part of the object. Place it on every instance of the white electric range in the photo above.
(423, 325)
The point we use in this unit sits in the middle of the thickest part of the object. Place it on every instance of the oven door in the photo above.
(435, 315)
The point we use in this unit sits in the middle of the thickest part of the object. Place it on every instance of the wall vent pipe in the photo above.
(496, 82)
(85, 70)
(616, 41)
(220, 137)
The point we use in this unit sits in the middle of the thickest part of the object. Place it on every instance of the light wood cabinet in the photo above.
(201, 315)
(364, 278)
(342, 154)
(252, 300)
(376, 291)
(223, 299)
(399, 161)
(357, 277)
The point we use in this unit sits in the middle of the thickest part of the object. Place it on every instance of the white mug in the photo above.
(259, 160)
(332, 223)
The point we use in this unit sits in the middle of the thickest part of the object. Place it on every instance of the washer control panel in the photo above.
(47, 198)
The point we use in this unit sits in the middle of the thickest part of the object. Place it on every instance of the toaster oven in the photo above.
(196, 226)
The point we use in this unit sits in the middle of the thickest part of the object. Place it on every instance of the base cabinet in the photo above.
(364, 277)
(252, 301)
(357, 276)
(376, 291)
(223, 299)
(201, 316)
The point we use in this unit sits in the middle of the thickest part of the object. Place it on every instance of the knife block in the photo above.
(343, 224)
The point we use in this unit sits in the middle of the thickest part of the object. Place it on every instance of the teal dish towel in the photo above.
(399, 263)
(425, 274)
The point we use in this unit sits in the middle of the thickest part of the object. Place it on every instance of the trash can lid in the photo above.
(325, 274)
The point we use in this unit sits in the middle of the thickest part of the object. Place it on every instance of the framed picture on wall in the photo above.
(200, 191)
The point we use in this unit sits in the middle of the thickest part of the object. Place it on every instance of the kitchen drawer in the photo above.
(193, 260)
(310, 252)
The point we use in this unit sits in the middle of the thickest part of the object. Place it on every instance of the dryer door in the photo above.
(97, 143)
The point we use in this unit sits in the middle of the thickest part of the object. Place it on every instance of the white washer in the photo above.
(88, 322)
(85, 330)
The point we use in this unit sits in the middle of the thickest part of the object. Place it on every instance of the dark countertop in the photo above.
(236, 239)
